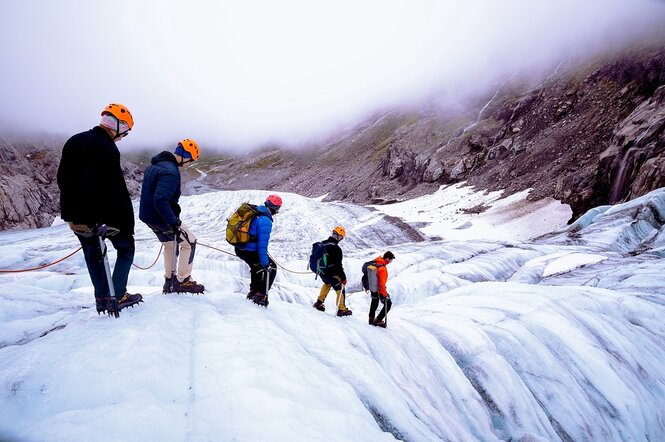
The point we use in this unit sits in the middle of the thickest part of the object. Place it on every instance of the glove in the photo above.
(344, 282)
(99, 230)
(383, 299)
(175, 228)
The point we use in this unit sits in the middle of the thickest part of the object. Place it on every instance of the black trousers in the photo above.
(375, 303)
(124, 245)
(257, 274)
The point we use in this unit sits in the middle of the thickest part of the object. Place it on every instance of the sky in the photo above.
(237, 75)
(498, 336)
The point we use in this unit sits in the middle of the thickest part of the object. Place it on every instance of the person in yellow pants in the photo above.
(332, 272)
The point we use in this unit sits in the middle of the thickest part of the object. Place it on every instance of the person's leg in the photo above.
(169, 250)
(95, 264)
(373, 306)
(272, 273)
(341, 294)
(341, 298)
(124, 245)
(386, 307)
(187, 245)
(325, 289)
(254, 263)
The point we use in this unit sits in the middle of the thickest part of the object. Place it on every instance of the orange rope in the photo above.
(233, 254)
(215, 248)
(144, 268)
(153, 263)
(41, 267)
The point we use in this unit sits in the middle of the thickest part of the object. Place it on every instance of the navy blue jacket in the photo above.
(92, 186)
(160, 192)
(260, 230)
(334, 251)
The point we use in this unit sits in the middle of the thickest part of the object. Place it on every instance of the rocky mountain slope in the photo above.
(29, 195)
(588, 134)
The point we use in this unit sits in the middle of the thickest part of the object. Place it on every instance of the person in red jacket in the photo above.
(382, 294)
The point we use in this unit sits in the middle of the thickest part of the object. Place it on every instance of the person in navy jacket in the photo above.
(94, 198)
(160, 210)
(255, 253)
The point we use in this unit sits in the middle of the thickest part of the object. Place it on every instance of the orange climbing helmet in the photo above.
(339, 230)
(188, 148)
(120, 112)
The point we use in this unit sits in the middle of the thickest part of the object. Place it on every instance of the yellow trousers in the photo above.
(325, 289)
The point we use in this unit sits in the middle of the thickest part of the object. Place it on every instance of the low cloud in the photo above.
(236, 75)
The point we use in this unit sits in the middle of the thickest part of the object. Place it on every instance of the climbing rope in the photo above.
(150, 266)
(215, 248)
(41, 267)
(153, 263)
(287, 270)
(233, 254)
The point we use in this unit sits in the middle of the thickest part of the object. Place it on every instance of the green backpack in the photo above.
(237, 226)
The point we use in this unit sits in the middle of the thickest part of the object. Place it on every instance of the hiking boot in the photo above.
(345, 312)
(251, 294)
(260, 299)
(371, 320)
(167, 285)
(188, 286)
(381, 324)
(319, 306)
(129, 300)
(107, 305)
(102, 303)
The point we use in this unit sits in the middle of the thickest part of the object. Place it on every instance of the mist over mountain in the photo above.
(588, 132)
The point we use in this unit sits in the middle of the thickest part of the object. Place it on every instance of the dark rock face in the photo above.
(26, 187)
(29, 194)
(586, 135)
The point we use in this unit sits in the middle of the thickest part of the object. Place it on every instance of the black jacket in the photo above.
(92, 186)
(334, 265)
(160, 192)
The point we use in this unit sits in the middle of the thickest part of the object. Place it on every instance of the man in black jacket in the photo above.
(94, 197)
(160, 210)
(333, 275)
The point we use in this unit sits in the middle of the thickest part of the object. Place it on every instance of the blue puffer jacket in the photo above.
(160, 192)
(260, 230)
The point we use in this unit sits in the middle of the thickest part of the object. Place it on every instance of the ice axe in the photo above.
(341, 293)
(112, 306)
(175, 260)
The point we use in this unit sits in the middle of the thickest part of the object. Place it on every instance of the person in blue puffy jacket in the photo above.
(160, 210)
(255, 253)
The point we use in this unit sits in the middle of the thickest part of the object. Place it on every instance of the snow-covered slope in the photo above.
(501, 338)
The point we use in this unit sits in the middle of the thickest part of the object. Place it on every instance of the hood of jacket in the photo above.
(164, 156)
(380, 261)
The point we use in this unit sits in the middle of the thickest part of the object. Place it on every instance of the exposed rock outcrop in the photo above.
(586, 135)
(29, 195)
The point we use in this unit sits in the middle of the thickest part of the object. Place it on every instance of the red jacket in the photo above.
(382, 274)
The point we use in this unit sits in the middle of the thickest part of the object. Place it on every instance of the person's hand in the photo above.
(175, 228)
(383, 299)
(344, 282)
(99, 230)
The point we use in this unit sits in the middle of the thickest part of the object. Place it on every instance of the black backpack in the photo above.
(318, 259)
